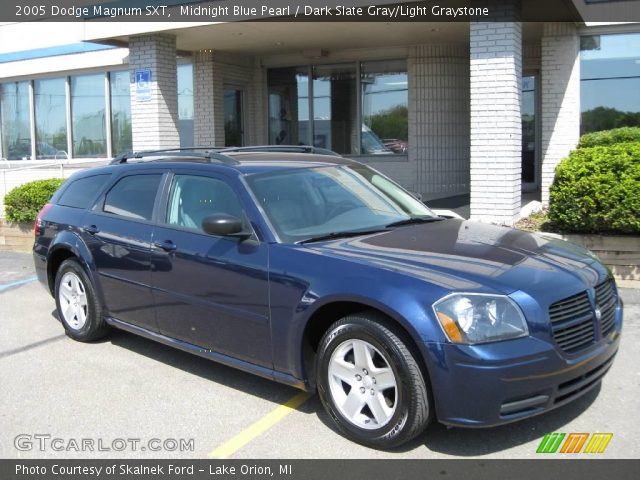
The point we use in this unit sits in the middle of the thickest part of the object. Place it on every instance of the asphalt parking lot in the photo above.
(128, 389)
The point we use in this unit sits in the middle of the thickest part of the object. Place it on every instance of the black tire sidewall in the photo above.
(92, 323)
(353, 329)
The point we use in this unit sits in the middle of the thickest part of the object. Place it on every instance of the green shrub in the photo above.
(610, 137)
(23, 203)
(597, 190)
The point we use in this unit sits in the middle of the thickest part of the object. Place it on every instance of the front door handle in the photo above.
(167, 245)
(90, 229)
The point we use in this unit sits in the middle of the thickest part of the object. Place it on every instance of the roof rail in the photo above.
(284, 149)
(217, 154)
(210, 153)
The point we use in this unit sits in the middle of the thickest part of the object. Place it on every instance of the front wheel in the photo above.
(370, 382)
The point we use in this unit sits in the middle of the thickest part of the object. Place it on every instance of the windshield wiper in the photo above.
(345, 234)
(414, 220)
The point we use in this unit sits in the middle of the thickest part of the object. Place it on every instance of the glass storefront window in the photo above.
(88, 116)
(335, 109)
(374, 124)
(185, 104)
(51, 118)
(15, 120)
(385, 111)
(289, 106)
(610, 81)
(120, 112)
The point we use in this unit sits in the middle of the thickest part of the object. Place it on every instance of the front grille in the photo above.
(572, 322)
(572, 319)
(606, 301)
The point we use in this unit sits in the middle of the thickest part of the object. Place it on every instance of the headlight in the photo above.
(476, 318)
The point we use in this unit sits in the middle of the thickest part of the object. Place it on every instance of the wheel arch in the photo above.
(332, 310)
(68, 245)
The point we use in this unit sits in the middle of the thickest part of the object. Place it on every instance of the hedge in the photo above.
(23, 203)
(597, 189)
(610, 137)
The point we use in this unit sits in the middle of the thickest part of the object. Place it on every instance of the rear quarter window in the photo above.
(81, 192)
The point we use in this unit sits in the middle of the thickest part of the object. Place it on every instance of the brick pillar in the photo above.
(439, 119)
(154, 121)
(208, 121)
(560, 96)
(496, 132)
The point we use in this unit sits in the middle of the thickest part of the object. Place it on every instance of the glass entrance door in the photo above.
(233, 117)
(530, 136)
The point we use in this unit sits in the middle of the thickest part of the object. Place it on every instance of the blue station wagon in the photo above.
(319, 272)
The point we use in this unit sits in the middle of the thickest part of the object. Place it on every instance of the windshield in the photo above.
(319, 201)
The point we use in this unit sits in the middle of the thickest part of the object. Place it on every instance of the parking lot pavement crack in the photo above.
(31, 346)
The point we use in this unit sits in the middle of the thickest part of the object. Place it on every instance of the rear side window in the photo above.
(133, 196)
(80, 193)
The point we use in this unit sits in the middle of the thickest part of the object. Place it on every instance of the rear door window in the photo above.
(82, 191)
(133, 196)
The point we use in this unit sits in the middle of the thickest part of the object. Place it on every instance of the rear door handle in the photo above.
(90, 229)
(167, 245)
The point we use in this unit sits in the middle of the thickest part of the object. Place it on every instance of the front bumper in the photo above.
(493, 384)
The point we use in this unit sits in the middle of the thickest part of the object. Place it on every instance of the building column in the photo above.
(439, 120)
(154, 115)
(560, 97)
(496, 131)
(208, 126)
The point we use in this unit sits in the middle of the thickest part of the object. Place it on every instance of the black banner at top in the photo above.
(317, 10)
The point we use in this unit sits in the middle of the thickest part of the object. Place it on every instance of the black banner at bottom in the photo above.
(534, 469)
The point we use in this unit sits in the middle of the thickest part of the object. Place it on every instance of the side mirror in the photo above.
(223, 225)
(416, 195)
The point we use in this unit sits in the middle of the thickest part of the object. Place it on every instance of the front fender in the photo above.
(301, 285)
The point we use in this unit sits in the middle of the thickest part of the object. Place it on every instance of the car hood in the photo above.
(466, 255)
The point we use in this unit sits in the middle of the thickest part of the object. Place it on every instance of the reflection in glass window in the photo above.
(610, 81)
(288, 106)
(88, 116)
(16, 131)
(335, 108)
(120, 112)
(51, 118)
(185, 104)
(384, 107)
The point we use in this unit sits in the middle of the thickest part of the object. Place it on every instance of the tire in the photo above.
(382, 404)
(78, 306)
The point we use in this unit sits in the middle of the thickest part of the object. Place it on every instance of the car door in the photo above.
(119, 232)
(210, 291)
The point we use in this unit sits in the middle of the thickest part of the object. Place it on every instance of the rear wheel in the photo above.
(78, 307)
(370, 382)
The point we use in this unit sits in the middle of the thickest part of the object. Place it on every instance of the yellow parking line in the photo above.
(258, 428)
